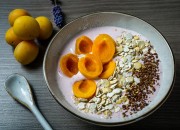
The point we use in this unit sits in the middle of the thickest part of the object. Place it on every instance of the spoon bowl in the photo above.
(18, 88)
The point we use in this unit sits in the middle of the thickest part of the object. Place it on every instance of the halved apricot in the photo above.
(83, 45)
(84, 88)
(69, 64)
(90, 66)
(108, 70)
(104, 47)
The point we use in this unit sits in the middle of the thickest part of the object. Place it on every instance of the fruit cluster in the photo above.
(97, 63)
(22, 33)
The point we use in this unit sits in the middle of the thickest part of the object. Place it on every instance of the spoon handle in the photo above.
(40, 118)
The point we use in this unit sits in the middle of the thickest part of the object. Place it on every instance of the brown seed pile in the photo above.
(149, 75)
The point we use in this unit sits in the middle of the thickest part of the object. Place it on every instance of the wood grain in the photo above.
(162, 14)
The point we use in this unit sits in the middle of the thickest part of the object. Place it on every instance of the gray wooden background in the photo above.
(162, 14)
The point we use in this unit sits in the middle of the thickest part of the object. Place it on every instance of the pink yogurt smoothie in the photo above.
(65, 83)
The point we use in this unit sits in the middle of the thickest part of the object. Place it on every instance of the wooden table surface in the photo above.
(162, 14)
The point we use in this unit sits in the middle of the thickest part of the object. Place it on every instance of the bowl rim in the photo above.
(110, 123)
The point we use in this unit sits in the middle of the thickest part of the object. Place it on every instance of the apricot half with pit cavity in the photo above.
(84, 88)
(104, 47)
(108, 70)
(69, 64)
(83, 45)
(90, 66)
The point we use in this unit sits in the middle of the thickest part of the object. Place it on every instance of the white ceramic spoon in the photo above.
(17, 86)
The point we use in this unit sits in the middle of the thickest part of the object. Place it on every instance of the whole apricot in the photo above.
(14, 14)
(26, 28)
(46, 27)
(26, 52)
(11, 38)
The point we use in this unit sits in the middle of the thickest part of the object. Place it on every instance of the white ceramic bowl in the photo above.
(104, 19)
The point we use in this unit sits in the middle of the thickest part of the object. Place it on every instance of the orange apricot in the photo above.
(84, 88)
(83, 45)
(69, 64)
(90, 66)
(11, 38)
(104, 47)
(108, 70)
